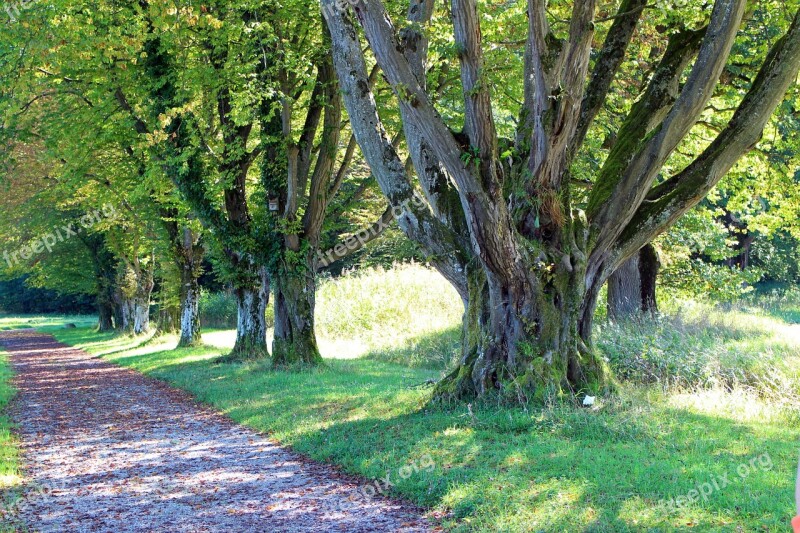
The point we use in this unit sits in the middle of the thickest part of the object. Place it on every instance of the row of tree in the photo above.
(528, 150)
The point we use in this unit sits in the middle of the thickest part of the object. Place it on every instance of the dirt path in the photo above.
(111, 450)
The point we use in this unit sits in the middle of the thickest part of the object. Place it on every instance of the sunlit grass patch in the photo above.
(9, 322)
(10, 476)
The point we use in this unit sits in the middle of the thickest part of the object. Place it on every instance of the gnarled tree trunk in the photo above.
(528, 339)
(544, 256)
(295, 342)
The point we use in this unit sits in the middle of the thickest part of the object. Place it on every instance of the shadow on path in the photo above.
(112, 450)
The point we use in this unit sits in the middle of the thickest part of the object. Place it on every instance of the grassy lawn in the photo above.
(612, 468)
(10, 479)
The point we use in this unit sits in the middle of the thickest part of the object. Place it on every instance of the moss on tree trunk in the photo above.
(295, 342)
(524, 342)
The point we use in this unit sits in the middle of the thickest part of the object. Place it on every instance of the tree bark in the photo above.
(529, 339)
(625, 291)
(632, 287)
(190, 310)
(134, 289)
(167, 320)
(295, 342)
(105, 311)
(105, 271)
(251, 325)
(188, 252)
(649, 266)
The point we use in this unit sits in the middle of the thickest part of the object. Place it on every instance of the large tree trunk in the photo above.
(105, 311)
(105, 269)
(625, 290)
(649, 266)
(190, 258)
(167, 320)
(118, 315)
(135, 312)
(295, 342)
(632, 287)
(134, 291)
(528, 340)
(251, 326)
(106, 308)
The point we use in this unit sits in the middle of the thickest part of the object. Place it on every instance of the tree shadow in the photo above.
(502, 468)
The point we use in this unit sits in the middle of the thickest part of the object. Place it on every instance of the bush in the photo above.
(218, 310)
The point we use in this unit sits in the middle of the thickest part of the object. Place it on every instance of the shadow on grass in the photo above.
(787, 315)
(499, 468)
(435, 351)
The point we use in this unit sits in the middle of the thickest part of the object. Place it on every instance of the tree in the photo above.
(188, 252)
(543, 259)
(226, 91)
(632, 287)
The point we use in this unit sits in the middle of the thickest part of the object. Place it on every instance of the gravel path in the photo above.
(107, 449)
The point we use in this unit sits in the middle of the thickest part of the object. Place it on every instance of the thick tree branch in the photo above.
(489, 221)
(305, 144)
(416, 219)
(323, 169)
(441, 195)
(478, 120)
(573, 65)
(607, 64)
(651, 109)
(615, 200)
(535, 85)
(138, 123)
(344, 166)
(670, 200)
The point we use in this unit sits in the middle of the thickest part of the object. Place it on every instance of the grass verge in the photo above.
(10, 477)
(613, 469)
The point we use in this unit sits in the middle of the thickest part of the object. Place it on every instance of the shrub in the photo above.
(218, 310)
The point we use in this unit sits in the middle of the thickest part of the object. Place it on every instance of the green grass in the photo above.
(697, 346)
(10, 478)
(499, 468)
(8, 322)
